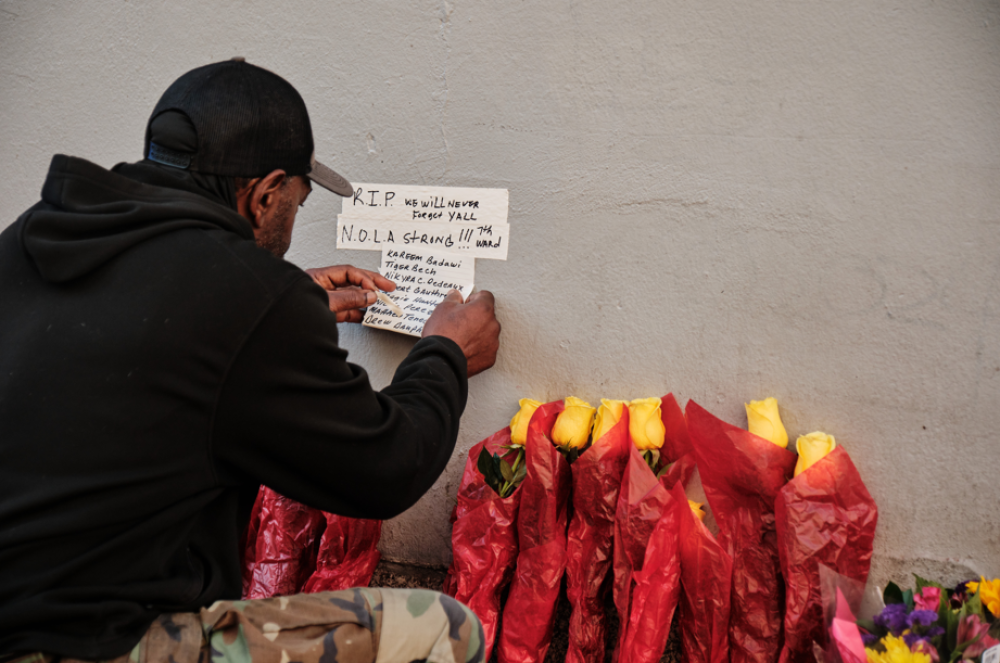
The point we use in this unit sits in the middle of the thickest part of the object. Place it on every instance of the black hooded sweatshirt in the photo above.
(156, 366)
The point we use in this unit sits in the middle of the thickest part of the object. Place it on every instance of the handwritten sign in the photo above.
(423, 277)
(438, 204)
(371, 233)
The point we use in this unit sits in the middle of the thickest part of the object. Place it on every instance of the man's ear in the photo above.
(258, 199)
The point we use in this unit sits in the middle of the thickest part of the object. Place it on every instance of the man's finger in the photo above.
(454, 297)
(350, 299)
(353, 315)
(369, 280)
(339, 276)
(484, 296)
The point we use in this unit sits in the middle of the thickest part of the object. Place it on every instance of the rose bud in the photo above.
(645, 425)
(763, 421)
(696, 508)
(812, 448)
(608, 414)
(572, 427)
(519, 422)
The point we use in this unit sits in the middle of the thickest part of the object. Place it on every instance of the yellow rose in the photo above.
(812, 448)
(763, 420)
(696, 507)
(645, 424)
(572, 427)
(519, 423)
(609, 414)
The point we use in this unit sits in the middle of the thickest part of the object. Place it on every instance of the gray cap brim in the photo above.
(328, 179)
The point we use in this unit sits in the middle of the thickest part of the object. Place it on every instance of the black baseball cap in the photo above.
(247, 121)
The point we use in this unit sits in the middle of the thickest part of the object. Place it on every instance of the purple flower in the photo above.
(960, 594)
(912, 639)
(921, 618)
(892, 618)
(868, 638)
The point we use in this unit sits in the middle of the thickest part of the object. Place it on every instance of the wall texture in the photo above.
(725, 200)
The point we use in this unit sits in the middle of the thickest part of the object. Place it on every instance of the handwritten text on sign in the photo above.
(423, 277)
(476, 240)
(440, 204)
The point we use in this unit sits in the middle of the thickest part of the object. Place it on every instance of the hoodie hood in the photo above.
(89, 215)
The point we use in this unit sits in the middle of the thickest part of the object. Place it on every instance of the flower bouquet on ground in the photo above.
(935, 623)
(281, 557)
(742, 473)
(646, 561)
(529, 615)
(824, 515)
(347, 556)
(484, 524)
(706, 579)
(597, 476)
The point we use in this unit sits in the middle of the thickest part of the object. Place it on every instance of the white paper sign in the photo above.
(372, 233)
(991, 655)
(427, 204)
(423, 277)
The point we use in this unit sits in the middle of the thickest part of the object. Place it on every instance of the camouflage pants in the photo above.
(348, 626)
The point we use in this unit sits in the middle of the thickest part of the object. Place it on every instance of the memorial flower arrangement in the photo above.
(933, 623)
(505, 472)
(592, 492)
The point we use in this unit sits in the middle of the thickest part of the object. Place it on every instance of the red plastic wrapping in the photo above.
(597, 477)
(706, 578)
(483, 541)
(529, 615)
(640, 504)
(348, 554)
(656, 588)
(284, 552)
(742, 474)
(823, 516)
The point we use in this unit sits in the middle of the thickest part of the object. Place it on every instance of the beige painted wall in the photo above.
(726, 200)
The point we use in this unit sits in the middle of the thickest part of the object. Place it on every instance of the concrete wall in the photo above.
(727, 200)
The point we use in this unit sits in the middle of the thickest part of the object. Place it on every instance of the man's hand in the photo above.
(350, 289)
(473, 325)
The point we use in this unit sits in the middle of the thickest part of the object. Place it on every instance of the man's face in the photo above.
(275, 234)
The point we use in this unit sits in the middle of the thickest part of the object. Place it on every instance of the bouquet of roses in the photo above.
(281, 555)
(597, 476)
(742, 473)
(347, 556)
(292, 548)
(934, 623)
(529, 615)
(646, 559)
(706, 577)
(484, 522)
(824, 515)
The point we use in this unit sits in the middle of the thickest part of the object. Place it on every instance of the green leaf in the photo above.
(522, 471)
(485, 464)
(664, 470)
(923, 582)
(868, 625)
(973, 606)
(951, 628)
(505, 471)
(892, 594)
(908, 599)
